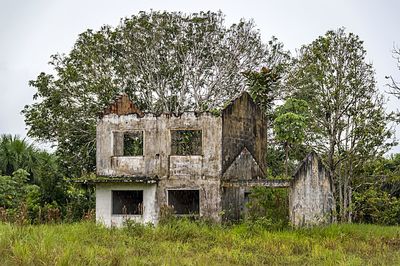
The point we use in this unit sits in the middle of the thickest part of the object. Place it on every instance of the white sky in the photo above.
(31, 31)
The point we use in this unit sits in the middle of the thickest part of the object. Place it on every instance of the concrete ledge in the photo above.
(273, 183)
(117, 179)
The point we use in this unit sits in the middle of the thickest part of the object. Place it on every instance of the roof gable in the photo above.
(244, 166)
(122, 105)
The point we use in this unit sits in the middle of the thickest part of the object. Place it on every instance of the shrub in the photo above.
(268, 208)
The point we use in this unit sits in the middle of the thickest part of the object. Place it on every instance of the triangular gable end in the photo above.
(243, 96)
(122, 105)
(244, 167)
(240, 106)
(310, 158)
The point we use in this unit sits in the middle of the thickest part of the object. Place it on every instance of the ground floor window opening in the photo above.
(127, 202)
(184, 202)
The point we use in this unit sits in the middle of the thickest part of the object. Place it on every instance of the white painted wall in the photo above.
(104, 204)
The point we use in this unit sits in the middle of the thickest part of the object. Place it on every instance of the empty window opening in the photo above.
(184, 201)
(129, 202)
(186, 142)
(133, 143)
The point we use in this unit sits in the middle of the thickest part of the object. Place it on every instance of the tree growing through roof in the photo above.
(166, 62)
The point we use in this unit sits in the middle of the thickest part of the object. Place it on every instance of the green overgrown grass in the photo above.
(195, 243)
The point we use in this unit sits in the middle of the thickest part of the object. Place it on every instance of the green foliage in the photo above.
(133, 144)
(186, 142)
(376, 198)
(165, 61)
(16, 153)
(295, 106)
(13, 189)
(268, 207)
(38, 192)
(188, 243)
(376, 206)
(290, 125)
(348, 124)
(265, 86)
(289, 128)
(261, 85)
(80, 201)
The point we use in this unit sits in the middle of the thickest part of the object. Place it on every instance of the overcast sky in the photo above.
(31, 31)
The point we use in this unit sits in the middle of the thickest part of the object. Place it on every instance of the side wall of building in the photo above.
(311, 197)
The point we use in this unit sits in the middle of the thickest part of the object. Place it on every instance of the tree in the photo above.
(16, 153)
(395, 85)
(349, 123)
(290, 125)
(166, 62)
(266, 86)
(41, 167)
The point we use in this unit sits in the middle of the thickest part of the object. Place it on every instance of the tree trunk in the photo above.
(350, 217)
(286, 158)
(331, 172)
(345, 197)
(340, 187)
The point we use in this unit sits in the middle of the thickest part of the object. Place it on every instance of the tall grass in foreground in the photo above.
(193, 243)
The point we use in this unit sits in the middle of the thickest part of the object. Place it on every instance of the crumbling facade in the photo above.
(197, 164)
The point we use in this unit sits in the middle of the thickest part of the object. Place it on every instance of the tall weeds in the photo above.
(184, 242)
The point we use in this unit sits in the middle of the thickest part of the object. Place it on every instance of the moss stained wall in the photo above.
(311, 197)
(243, 125)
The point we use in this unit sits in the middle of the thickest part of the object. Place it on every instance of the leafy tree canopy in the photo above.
(166, 62)
(349, 124)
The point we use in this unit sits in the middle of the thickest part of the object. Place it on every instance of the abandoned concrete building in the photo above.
(198, 164)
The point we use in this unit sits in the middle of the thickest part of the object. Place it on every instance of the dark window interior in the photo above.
(247, 198)
(184, 201)
(127, 202)
(186, 142)
(133, 143)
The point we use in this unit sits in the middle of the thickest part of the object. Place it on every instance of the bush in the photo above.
(268, 208)
(376, 206)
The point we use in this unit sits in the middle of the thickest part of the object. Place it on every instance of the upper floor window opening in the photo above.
(186, 142)
(129, 143)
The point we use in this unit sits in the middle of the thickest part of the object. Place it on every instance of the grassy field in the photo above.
(189, 243)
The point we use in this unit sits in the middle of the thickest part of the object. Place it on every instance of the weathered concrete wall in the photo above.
(209, 192)
(243, 125)
(244, 167)
(104, 204)
(156, 159)
(185, 167)
(233, 202)
(311, 196)
(243, 152)
(200, 172)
